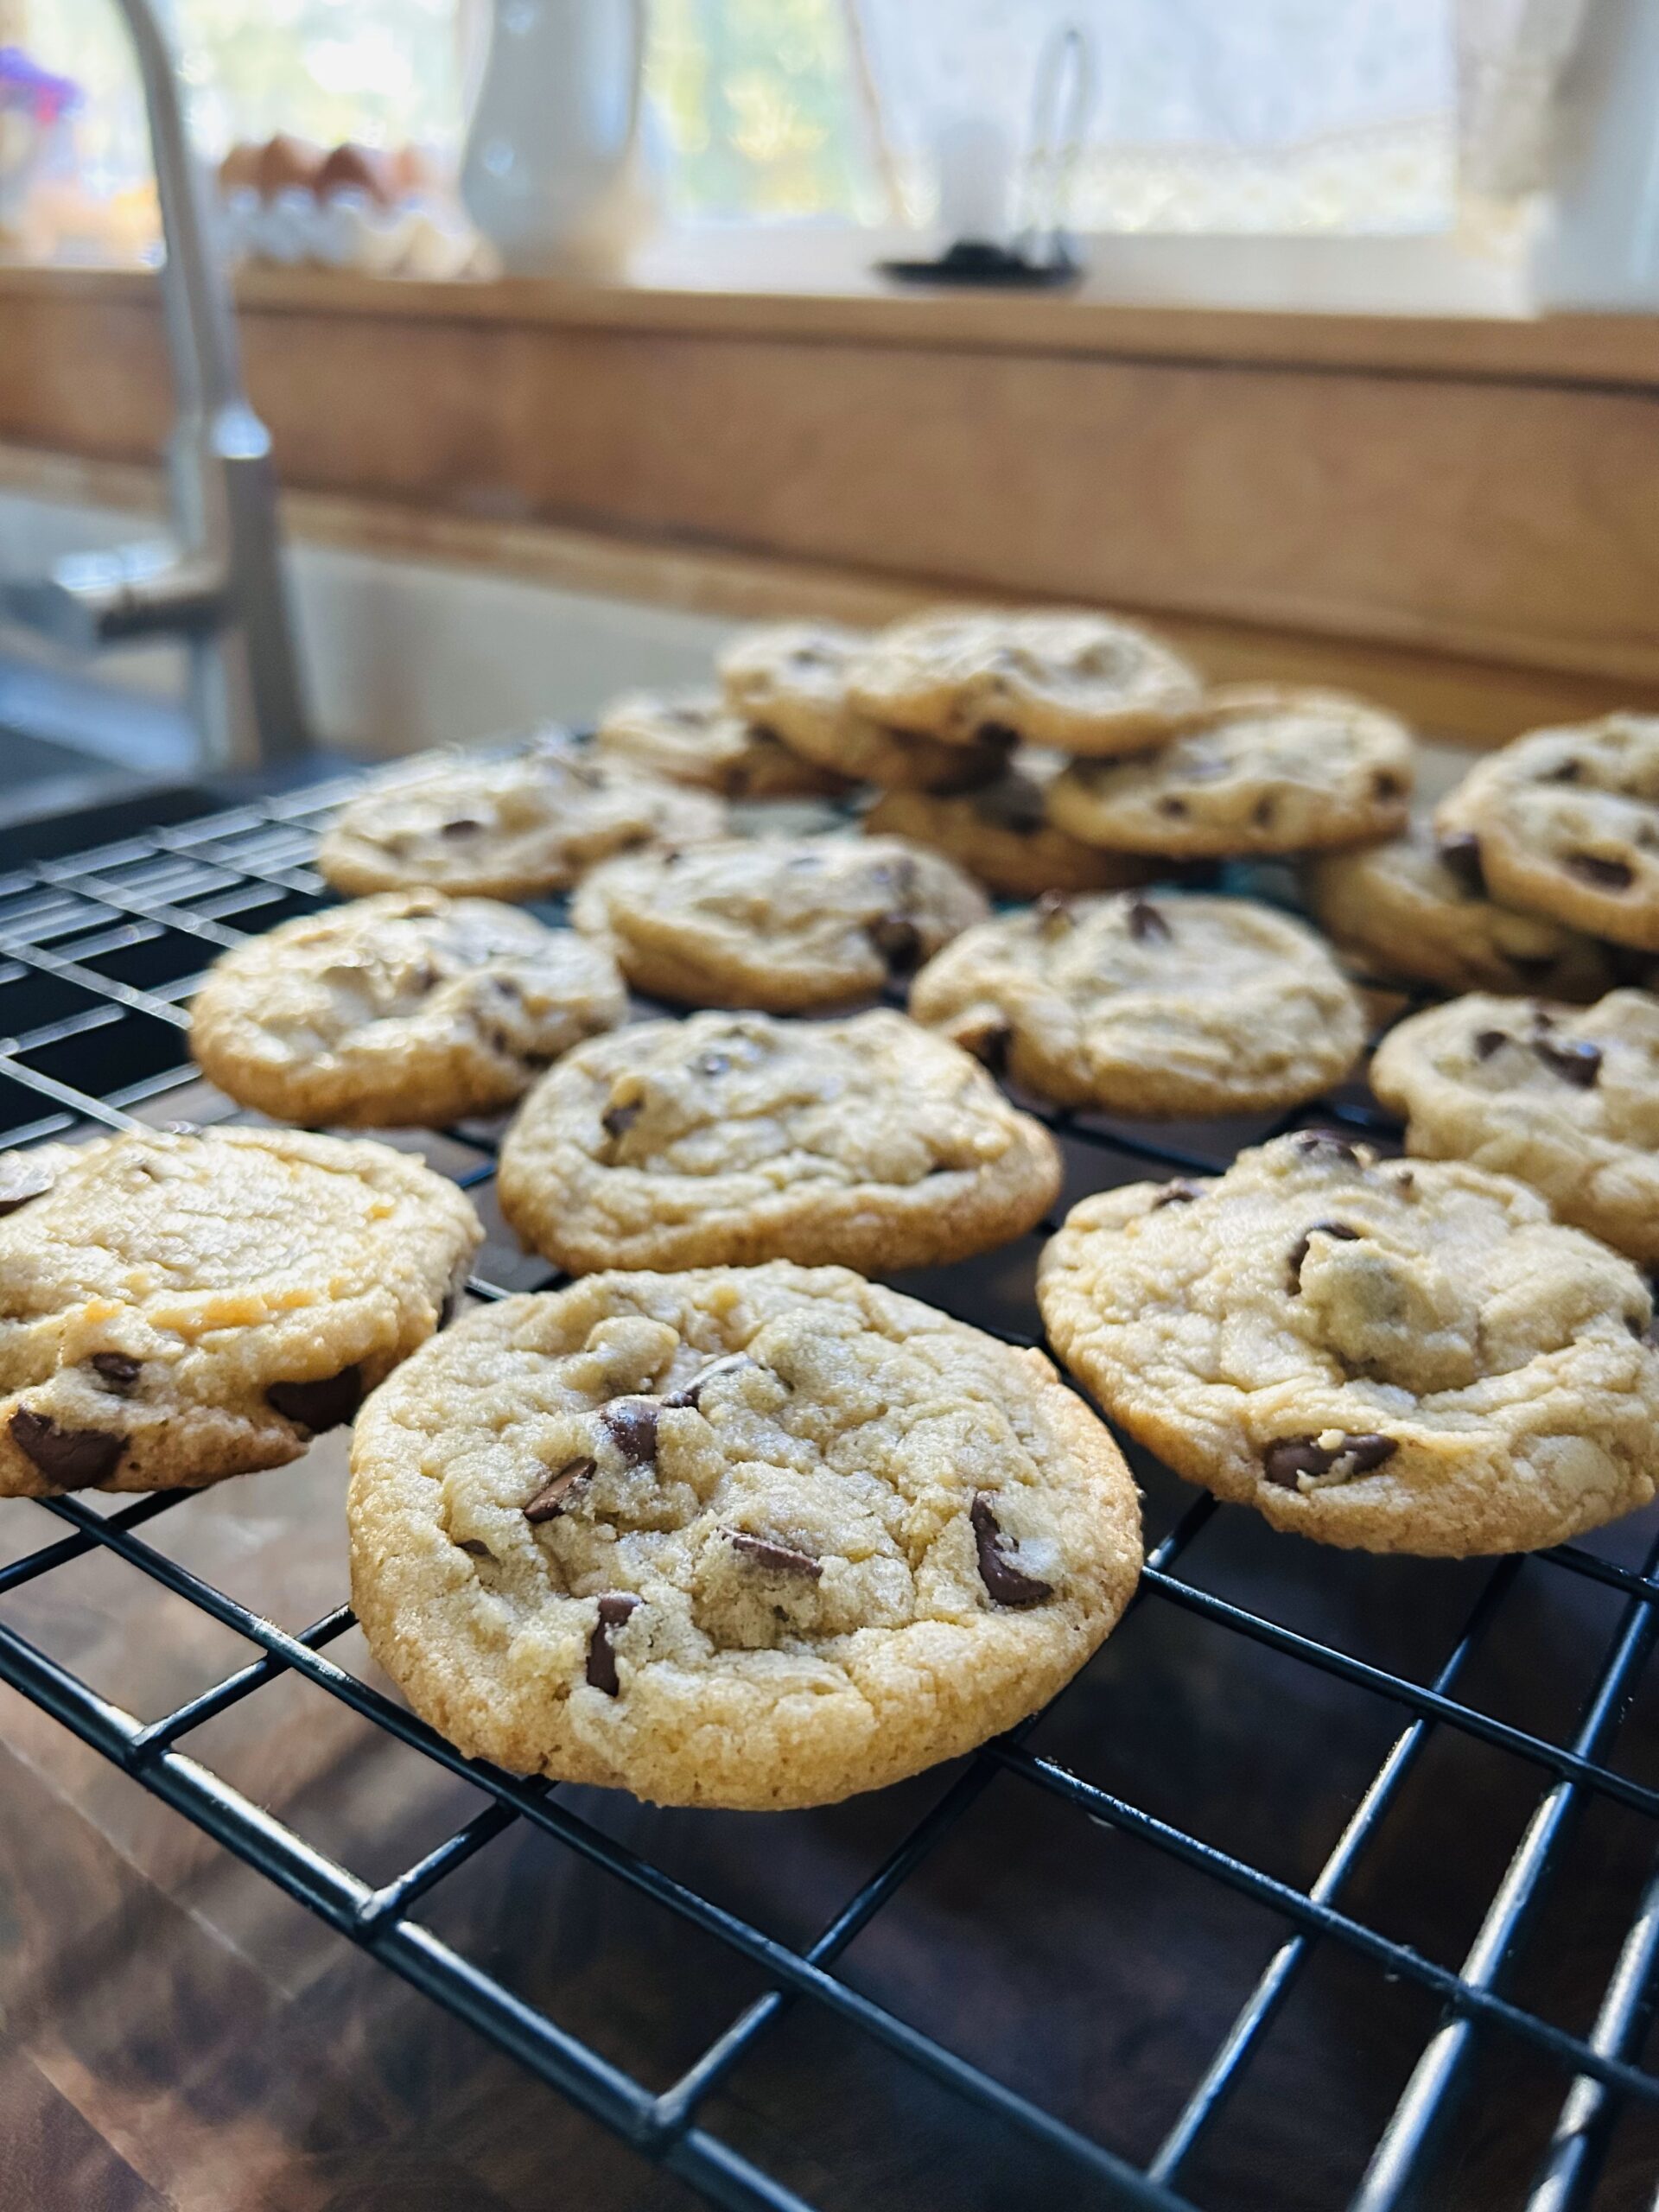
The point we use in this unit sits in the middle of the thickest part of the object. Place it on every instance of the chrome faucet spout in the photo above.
(218, 582)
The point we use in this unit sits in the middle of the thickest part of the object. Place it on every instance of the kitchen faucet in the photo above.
(216, 582)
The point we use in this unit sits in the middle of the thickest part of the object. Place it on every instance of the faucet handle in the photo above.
(134, 591)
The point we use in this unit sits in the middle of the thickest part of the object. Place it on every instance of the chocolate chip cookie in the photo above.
(1259, 768)
(692, 737)
(1565, 823)
(1566, 1098)
(780, 923)
(512, 827)
(1083, 681)
(1396, 1355)
(1003, 834)
(730, 1138)
(174, 1309)
(1405, 913)
(792, 678)
(1143, 1006)
(406, 1008)
(754, 1538)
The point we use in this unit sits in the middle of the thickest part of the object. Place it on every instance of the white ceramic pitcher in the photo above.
(550, 174)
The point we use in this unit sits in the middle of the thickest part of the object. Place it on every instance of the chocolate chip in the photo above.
(614, 1608)
(1293, 1456)
(21, 1179)
(1567, 772)
(427, 978)
(554, 1497)
(899, 941)
(318, 1406)
(1170, 805)
(1299, 1252)
(463, 826)
(1004, 1582)
(1610, 875)
(1263, 812)
(1577, 1061)
(1487, 1041)
(1147, 924)
(617, 1121)
(1461, 855)
(630, 1424)
(70, 1458)
(1180, 1192)
(779, 1559)
(1386, 784)
(692, 1394)
(115, 1370)
(1314, 1143)
(1368, 1452)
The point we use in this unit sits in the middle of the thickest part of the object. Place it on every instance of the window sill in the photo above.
(1282, 302)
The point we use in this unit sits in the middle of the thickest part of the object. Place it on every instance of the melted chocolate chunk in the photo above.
(630, 1424)
(1605, 874)
(70, 1458)
(617, 1121)
(779, 1559)
(1004, 1584)
(692, 1394)
(20, 1179)
(1329, 1142)
(557, 1497)
(1569, 772)
(463, 825)
(318, 1406)
(1147, 924)
(899, 941)
(1386, 784)
(614, 1608)
(1180, 1192)
(1577, 1061)
(1294, 1456)
(115, 1370)
(1170, 805)
(1487, 1041)
(1461, 855)
(1299, 1251)
(1263, 812)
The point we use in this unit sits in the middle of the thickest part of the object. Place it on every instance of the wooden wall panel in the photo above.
(1503, 519)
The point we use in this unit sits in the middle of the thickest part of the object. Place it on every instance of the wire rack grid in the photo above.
(98, 955)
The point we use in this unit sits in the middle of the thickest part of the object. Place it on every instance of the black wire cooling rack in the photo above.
(1525, 2011)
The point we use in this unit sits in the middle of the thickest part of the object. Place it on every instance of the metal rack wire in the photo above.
(98, 955)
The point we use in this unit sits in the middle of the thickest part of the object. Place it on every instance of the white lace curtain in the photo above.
(1236, 115)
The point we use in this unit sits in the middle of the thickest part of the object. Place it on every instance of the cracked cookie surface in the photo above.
(779, 924)
(792, 678)
(1394, 1355)
(1085, 682)
(1003, 834)
(512, 827)
(693, 737)
(1565, 823)
(1257, 769)
(1565, 1098)
(735, 1138)
(1404, 910)
(754, 1538)
(1162, 1006)
(174, 1309)
(405, 1007)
